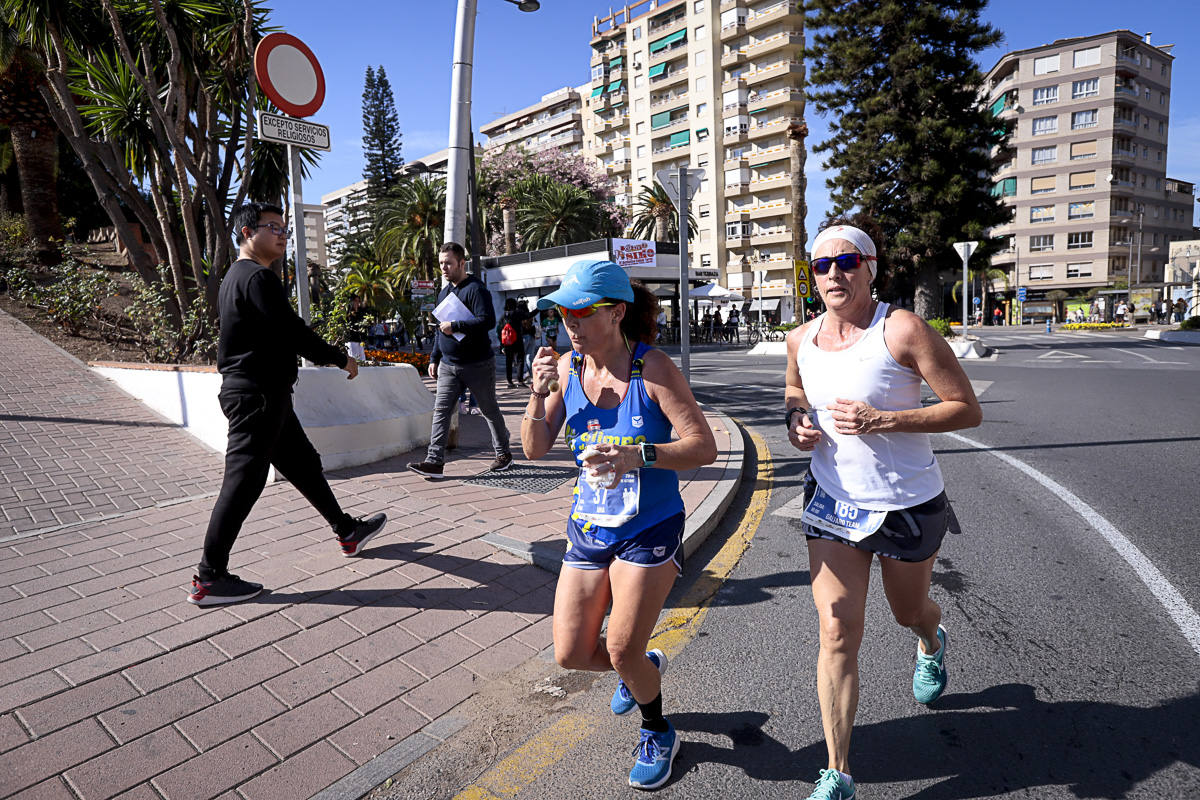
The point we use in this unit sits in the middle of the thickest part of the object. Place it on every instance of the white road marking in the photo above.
(1056, 355)
(1183, 615)
(1148, 358)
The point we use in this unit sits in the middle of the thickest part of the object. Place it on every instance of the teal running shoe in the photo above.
(655, 753)
(622, 699)
(832, 786)
(929, 678)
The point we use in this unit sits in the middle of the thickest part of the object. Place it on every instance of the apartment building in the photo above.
(710, 85)
(554, 121)
(314, 234)
(1085, 172)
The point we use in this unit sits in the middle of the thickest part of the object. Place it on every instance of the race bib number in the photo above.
(841, 519)
(608, 508)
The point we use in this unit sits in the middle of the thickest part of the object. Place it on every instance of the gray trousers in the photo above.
(480, 378)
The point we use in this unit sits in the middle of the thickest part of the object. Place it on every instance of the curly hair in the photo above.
(640, 323)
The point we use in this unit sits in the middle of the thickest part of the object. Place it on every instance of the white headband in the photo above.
(854, 236)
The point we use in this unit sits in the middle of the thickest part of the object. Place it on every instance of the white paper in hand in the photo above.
(452, 310)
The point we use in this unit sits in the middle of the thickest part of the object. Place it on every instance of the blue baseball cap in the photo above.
(587, 283)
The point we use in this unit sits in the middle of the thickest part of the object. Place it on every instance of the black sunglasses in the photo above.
(845, 262)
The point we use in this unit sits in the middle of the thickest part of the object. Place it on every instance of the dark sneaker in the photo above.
(502, 463)
(364, 531)
(224, 589)
(428, 470)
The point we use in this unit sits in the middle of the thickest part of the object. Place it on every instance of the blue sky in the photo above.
(519, 57)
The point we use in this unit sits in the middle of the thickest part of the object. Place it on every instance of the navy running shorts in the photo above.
(908, 534)
(658, 544)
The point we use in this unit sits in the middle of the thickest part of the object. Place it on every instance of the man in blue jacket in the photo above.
(463, 363)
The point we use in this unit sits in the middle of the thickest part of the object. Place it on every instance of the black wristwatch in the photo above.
(787, 420)
(649, 454)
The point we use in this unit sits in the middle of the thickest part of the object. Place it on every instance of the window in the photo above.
(702, 84)
(1085, 210)
(641, 151)
(698, 7)
(1079, 269)
(1041, 272)
(1087, 58)
(1041, 185)
(1044, 95)
(1162, 98)
(701, 58)
(701, 109)
(637, 33)
(1042, 243)
(1045, 65)
(1087, 88)
(1160, 128)
(1084, 119)
(1044, 155)
(1005, 188)
(704, 185)
(1082, 150)
(639, 104)
(702, 161)
(1078, 241)
(702, 135)
(641, 128)
(597, 71)
(638, 80)
(736, 230)
(705, 210)
(701, 32)
(1041, 214)
(641, 175)
(1045, 125)
(1083, 180)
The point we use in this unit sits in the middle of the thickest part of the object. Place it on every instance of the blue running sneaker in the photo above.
(832, 786)
(929, 678)
(655, 754)
(622, 699)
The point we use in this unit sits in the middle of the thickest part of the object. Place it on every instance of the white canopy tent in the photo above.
(715, 291)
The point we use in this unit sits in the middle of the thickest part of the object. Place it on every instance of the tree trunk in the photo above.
(660, 228)
(509, 216)
(927, 299)
(797, 132)
(35, 151)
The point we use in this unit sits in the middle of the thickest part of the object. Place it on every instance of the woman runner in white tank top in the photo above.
(853, 397)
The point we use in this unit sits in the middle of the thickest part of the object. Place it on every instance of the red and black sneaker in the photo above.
(364, 531)
(221, 590)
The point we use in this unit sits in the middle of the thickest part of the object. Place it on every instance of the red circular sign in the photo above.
(289, 74)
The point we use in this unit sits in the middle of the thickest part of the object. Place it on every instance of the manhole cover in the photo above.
(526, 478)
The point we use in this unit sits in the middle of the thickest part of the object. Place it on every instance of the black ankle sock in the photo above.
(652, 716)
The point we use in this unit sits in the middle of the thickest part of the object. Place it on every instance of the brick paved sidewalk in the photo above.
(75, 447)
(111, 683)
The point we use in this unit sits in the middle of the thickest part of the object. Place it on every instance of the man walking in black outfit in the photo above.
(467, 363)
(261, 337)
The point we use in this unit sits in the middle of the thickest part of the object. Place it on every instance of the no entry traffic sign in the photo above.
(289, 74)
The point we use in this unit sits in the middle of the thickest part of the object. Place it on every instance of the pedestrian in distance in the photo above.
(467, 363)
(260, 340)
(853, 399)
(529, 334)
(618, 398)
(508, 330)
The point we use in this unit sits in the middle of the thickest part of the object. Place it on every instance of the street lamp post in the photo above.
(1141, 213)
(461, 154)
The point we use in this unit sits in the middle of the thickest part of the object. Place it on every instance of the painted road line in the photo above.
(675, 628)
(1183, 615)
(1148, 358)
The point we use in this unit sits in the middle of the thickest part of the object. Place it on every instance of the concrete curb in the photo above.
(700, 523)
(972, 348)
(1175, 337)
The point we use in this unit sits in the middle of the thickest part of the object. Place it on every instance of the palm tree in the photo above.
(655, 216)
(553, 214)
(410, 229)
(373, 283)
(34, 140)
(797, 133)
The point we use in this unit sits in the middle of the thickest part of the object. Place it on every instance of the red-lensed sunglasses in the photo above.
(845, 262)
(583, 313)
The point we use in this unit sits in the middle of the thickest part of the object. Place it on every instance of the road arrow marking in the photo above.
(1058, 355)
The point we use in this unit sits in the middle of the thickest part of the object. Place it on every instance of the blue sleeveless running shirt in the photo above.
(637, 419)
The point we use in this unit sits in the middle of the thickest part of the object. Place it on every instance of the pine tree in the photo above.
(910, 139)
(381, 136)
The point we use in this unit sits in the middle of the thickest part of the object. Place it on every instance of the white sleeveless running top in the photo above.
(876, 471)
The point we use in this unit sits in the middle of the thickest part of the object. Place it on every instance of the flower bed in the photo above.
(418, 360)
(1091, 326)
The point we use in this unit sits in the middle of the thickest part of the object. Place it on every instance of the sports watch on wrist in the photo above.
(649, 454)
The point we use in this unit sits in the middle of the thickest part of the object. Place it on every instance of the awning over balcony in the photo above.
(768, 304)
(682, 137)
(599, 90)
(658, 69)
(665, 42)
(615, 86)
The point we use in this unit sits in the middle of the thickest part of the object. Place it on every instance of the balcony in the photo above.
(669, 78)
(735, 190)
(677, 124)
(1123, 155)
(737, 242)
(775, 42)
(728, 4)
(1125, 121)
(558, 140)
(766, 155)
(613, 123)
(668, 99)
(617, 167)
(616, 142)
(733, 58)
(778, 208)
(777, 181)
(737, 162)
(538, 125)
(736, 135)
(655, 30)
(766, 16)
(779, 69)
(1128, 91)
(736, 82)
(732, 30)
(780, 235)
(775, 99)
(772, 128)
(598, 102)
(668, 52)
(668, 152)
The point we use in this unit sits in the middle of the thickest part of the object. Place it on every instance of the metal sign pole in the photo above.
(296, 198)
(685, 328)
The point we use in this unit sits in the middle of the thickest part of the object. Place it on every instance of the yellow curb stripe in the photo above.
(681, 624)
(675, 629)
(525, 764)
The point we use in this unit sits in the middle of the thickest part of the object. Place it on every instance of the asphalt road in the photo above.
(1069, 677)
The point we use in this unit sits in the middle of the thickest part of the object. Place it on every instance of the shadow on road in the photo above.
(1001, 740)
(1066, 445)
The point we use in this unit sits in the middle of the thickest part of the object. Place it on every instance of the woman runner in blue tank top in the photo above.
(618, 400)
